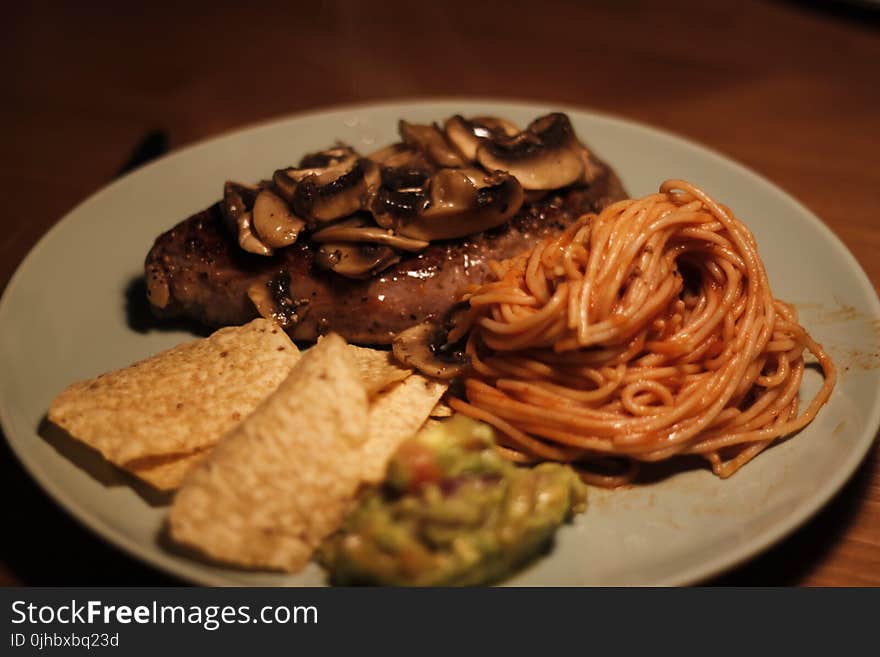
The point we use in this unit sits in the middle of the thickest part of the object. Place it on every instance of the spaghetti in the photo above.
(641, 333)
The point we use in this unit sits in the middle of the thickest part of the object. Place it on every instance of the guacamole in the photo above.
(452, 512)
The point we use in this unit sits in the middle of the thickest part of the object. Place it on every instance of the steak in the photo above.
(197, 270)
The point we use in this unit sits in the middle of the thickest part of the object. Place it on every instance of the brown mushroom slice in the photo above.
(355, 230)
(259, 294)
(429, 139)
(487, 126)
(464, 202)
(421, 347)
(247, 240)
(328, 184)
(544, 156)
(272, 300)
(336, 193)
(355, 259)
(467, 134)
(333, 161)
(399, 155)
(237, 199)
(403, 192)
(236, 208)
(284, 185)
(273, 221)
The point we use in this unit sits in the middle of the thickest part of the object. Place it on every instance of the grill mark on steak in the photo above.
(197, 270)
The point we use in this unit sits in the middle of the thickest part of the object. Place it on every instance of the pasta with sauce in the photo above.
(642, 333)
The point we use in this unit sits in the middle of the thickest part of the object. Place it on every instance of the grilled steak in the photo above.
(197, 270)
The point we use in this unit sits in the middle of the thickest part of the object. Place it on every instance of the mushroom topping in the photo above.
(333, 162)
(463, 202)
(273, 221)
(429, 140)
(326, 165)
(448, 204)
(546, 155)
(437, 184)
(355, 260)
(237, 199)
(400, 156)
(489, 126)
(403, 193)
(337, 191)
(236, 208)
(357, 230)
(421, 347)
(327, 185)
(467, 134)
(284, 184)
(273, 301)
(247, 240)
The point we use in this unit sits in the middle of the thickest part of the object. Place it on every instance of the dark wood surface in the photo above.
(791, 90)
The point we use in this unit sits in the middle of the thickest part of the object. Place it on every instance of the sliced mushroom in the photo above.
(488, 126)
(335, 192)
(357, 230)
(327, 166)
(429, 139)
(258, 293)
(403, 193)
(421, 347)
(467, 134)
(273, 300)
(328, 185)
(284, 185)
(397, 156)
(464, 202)
(247, 240)
(332, 162)
(546, 155)
(273, 221)
(355, 260)
(237, 199)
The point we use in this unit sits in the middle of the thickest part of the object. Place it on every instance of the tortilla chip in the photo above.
(283, 479)
(180, 401)
(379, 369)
(165, 473)
(395, 416)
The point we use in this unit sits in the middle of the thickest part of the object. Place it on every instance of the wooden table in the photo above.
(790, 90)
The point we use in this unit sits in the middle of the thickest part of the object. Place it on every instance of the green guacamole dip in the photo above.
(452, 512)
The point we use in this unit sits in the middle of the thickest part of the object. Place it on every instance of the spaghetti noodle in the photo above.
(641, 333)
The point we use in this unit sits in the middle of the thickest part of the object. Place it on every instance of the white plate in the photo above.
(63, 318)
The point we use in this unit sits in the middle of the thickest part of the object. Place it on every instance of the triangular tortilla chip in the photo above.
(395, 415)
(283, 479)
(379, 369)
(167, 472)
(180, 401)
